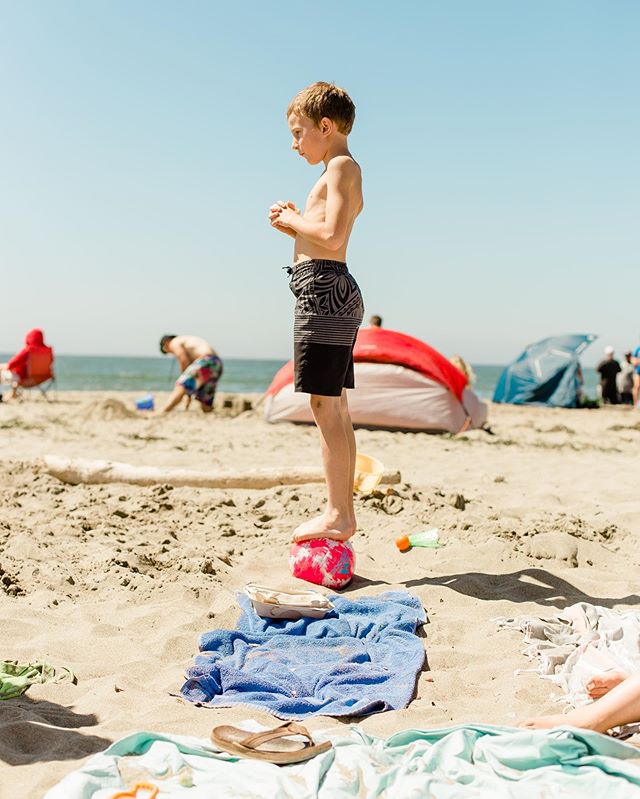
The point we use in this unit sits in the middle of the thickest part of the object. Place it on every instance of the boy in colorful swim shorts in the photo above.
(201, 369)
(329, 307)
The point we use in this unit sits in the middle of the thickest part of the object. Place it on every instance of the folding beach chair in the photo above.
(39, 373)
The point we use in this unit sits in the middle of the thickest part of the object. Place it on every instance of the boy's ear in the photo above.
(326, 126)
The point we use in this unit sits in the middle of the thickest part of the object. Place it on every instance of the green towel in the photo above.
(16, 677)
(472, 760)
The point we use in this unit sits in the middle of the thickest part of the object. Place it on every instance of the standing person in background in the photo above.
(635, 361)
(201, 369)
(580, 396)
(608, 369)
(624, 380)
(375, 321)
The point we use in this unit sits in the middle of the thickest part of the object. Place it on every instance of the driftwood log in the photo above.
(80, 470)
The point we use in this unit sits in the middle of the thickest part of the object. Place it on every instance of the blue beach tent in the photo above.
(546, 373)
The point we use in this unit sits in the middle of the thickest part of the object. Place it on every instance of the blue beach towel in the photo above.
(362, 658)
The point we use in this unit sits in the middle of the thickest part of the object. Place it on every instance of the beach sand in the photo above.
(117, 582)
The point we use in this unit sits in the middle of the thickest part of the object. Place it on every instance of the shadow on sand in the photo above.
(359, 581)
(525, 585)
(34, 731)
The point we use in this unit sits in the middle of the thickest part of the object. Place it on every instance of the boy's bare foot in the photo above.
(586, 717)
(620, 706)
(327, 525)
(601, 684)
(582, 717)
(545, 722)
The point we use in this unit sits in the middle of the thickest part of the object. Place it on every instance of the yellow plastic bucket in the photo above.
(368, 474)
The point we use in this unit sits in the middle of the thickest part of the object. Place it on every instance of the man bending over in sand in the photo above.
(617, 702)
(201, 369)
(329, 308)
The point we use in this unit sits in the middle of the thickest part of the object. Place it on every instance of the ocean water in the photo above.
(103, 373)
(120, 373)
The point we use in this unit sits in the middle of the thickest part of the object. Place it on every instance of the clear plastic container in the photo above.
(426, 538)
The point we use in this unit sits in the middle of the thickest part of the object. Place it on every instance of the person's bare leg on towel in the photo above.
(619, 705)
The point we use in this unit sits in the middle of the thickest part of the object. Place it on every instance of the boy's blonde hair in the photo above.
(325, 100)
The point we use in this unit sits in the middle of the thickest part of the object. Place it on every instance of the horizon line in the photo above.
(227, 358)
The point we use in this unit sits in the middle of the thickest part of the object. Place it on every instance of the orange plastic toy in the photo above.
(132, 793)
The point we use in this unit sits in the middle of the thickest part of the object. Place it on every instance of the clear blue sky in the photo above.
(142, 143)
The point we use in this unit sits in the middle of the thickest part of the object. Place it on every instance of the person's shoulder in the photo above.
(179, 343)
(344, 165)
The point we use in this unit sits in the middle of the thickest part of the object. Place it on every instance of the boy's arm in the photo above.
(175, 398)
(287, 230)
(332, 232)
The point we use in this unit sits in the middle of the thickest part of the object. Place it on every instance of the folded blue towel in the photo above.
(362, 658)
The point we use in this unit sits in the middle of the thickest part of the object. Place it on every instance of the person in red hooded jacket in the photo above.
(16, 371)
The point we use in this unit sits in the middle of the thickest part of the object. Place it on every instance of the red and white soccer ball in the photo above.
(323, 562)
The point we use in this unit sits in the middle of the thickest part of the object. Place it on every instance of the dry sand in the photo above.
(118, 581)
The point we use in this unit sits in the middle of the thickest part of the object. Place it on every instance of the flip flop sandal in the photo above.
(147, 791)
(281, 750)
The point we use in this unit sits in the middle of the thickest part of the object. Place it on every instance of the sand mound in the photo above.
(553, 546)
(107, 410)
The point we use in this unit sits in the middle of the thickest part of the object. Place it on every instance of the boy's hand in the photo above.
(282, 204)
(277, 208)
(274, 213)
(275, 216)
(285, 216)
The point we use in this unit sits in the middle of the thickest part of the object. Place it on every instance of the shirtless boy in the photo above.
(329, 308)
(201, 369)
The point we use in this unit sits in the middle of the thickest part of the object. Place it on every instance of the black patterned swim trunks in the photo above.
(328, 313)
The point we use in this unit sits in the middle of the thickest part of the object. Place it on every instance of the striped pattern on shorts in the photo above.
(328, 313)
